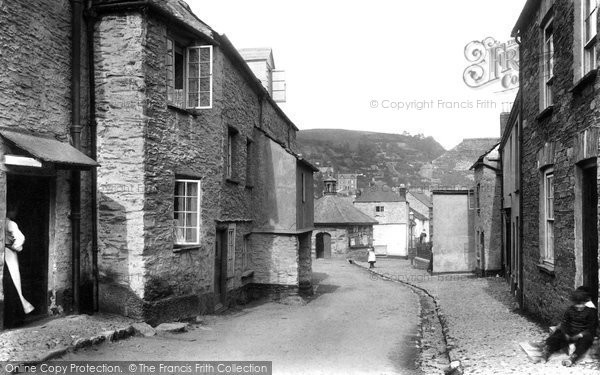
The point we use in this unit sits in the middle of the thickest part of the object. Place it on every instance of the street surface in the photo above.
(355, 324)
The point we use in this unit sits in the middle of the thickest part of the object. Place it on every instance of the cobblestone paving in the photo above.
(36, 342)
(484, 326)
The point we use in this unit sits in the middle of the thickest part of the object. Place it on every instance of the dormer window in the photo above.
(189, 75)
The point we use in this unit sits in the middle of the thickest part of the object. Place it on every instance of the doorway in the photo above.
(589, 212)
(220, 280)
(323, 246)
(508, 247)
(31, 194)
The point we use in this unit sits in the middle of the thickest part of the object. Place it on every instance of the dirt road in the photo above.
(355, 324)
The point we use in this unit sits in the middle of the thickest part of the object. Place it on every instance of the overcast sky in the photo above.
(347, 60)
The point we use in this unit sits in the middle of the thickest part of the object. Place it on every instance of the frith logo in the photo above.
(492, 62)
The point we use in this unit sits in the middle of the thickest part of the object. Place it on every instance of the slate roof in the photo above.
(379, 195)
(418, 216)
(331, 209)
(423, 198)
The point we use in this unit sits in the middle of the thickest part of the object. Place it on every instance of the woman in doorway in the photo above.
(16, 306)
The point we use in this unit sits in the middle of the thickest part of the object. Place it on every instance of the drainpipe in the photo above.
(90, 19)
(76, 14)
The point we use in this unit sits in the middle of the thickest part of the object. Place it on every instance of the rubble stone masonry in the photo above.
(552, 139)
(35, 96)
(145, 144)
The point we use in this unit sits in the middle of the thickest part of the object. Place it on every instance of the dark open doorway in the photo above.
(220, 279)
(32, 196)
(589, 212)
(323, 246)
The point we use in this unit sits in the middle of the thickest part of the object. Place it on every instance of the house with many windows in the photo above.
(156, 175)
(223, 202)
(557, 131)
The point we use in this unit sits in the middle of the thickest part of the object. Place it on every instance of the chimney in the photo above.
(402, 191)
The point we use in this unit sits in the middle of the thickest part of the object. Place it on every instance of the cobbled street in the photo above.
(484, 326)
(353, 325)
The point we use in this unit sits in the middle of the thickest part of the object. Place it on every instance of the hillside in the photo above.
(390, 158)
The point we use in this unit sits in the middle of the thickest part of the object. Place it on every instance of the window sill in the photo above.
(585, 81)
(545, 113)
(546, 268)
(193, 112)
(232, 181)
(184, 248)
(247, 274)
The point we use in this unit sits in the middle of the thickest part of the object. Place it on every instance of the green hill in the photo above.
(390, 158)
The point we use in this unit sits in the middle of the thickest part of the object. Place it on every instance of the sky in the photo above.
(379, 65)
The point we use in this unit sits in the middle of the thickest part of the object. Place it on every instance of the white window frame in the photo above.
(170, 74)
(588, 36)
(176, 240)
(200, 76)
(246, 256)
(231, 232)
(548, 207)
(380, 209)
(548, 63)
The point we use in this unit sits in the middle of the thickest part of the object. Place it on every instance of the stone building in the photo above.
(46, 140)
(347, 183)
(453, 249)
(510, 163)
(222, 201)
(340, 228)
(199, 198)
(390, 209)
(487, 214)
(558, 152)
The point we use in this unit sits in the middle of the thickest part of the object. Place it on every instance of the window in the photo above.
(231, 153)
(379, 208)
(590, 13)
(548, 256)
(303, 187)
(471, 199)
(478, 198)
(246, 253)
(249, 161)
(231, 250)
(548, 63)
(187, 212)
(189, 75)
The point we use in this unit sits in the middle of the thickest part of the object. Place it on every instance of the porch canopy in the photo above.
(49, 150)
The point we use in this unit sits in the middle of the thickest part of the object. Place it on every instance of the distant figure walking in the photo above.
(372, 259)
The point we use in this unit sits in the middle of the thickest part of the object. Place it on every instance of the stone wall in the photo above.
(35, 96)
(394, 212)
(488, 220)
(148, 144)
(275, 259)
(553, 136)
(122, 126)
